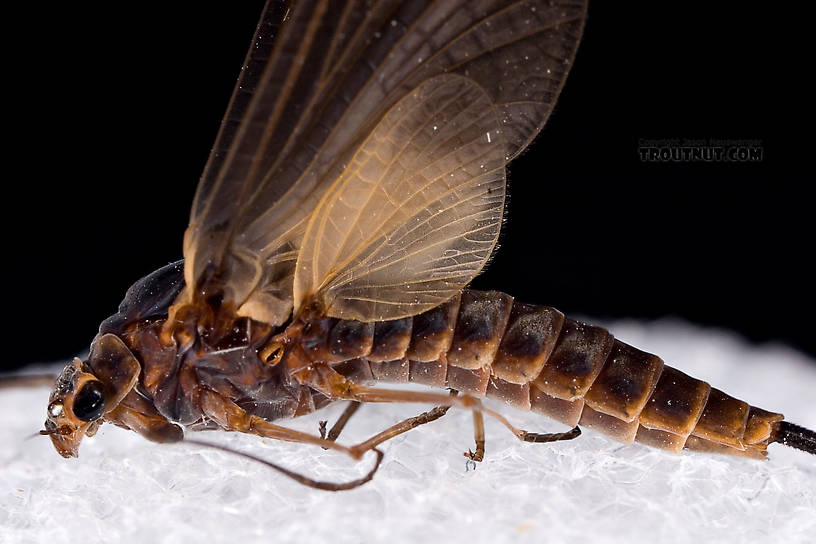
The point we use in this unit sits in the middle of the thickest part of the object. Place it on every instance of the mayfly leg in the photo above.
(353, 406)
(309, 482)
(338, 427)
(406, 425)
(231, 416)
(468, 402)
(401, 427)
(336, 386)
(234, 418)
(366, 394)
(478, 437)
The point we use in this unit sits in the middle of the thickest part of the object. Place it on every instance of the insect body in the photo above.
(356, 187)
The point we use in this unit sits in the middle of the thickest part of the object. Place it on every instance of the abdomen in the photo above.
(533, 358)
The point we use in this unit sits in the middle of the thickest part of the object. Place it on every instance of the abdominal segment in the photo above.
(533, 358)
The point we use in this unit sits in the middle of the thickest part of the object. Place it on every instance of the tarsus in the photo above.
(796, 437)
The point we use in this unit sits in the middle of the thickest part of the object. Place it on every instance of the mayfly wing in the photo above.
(313, 89)
(415, 214)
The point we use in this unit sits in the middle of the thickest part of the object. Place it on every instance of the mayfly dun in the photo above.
(356, 187)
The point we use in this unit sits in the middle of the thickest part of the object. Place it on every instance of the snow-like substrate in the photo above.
(124, 489)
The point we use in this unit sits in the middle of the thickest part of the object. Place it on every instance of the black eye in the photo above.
(89, 404)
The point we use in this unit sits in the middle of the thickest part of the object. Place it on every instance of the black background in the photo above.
(115, 106)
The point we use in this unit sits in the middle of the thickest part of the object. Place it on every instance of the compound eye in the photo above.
(89, 403)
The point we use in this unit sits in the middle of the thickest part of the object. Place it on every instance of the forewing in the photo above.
(314, 88)
(416, 213)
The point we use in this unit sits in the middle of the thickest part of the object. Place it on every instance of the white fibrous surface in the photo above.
(591, 489)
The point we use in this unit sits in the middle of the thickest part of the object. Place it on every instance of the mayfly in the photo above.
(356, 187)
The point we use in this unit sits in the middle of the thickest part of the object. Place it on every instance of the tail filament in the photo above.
(796, 437)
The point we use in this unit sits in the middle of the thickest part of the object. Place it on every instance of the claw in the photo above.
(475, 457)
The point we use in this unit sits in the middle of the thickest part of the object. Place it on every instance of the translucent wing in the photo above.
(312, 90)
(415, 215)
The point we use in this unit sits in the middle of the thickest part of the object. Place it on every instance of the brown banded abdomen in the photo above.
(533, 358)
